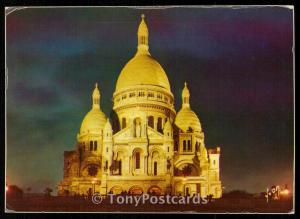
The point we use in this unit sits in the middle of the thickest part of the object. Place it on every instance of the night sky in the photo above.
(238, 64)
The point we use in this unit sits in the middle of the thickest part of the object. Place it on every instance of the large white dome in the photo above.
(142, 69)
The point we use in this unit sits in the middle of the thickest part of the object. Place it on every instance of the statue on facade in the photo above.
(138, 129)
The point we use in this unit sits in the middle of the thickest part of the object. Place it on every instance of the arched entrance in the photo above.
(116, 190)
(151, 121)
(135, 190)
(155, 190)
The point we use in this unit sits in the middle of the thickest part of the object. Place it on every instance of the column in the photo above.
(155, 123)
(130, 165)
(145, 165)
(149, 166)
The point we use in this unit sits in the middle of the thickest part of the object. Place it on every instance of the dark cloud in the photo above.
(34, 96)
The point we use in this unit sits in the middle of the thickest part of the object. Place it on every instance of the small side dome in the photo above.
(93, 122)
(187, 119)
(95, 119)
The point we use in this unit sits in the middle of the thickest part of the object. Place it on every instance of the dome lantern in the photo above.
(143, 37)
(96, 97)
(185, 96)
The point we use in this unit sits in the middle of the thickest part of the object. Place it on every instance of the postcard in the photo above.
(186, 109)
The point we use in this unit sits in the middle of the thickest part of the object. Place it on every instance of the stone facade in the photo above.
(148, 148)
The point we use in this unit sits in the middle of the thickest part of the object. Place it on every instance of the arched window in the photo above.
(151, 121)
(189, 145)
(175, 146)
(184, 145)
(91, 145)
(155, 168)
(159, 124)
(137, 160)
(123, 123)
(95, 145)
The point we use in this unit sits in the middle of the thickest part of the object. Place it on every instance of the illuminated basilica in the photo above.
(146, 146)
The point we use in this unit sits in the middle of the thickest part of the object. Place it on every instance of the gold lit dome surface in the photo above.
(187, 118)
(142, 69)
(94, 121)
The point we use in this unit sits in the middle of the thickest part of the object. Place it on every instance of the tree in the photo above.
(28, 190)
(187, 170)
(14, 192)
(237, 194)
(48, 192)
(210, 197)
